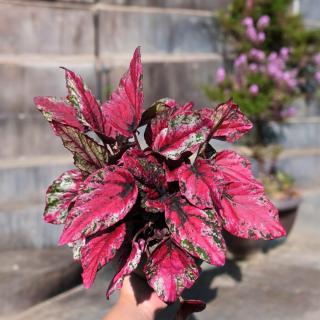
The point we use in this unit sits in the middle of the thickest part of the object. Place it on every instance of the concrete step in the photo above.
(156, 30)
(29, 136)
(26, 76)
(22, 227)
(302, 132)
(185, 4)
(73, 31)
(28, 277)
(76, 304)
(27, 179)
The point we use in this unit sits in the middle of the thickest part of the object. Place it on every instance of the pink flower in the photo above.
(240, 61)
(263, 22)
(261, 37)
(254, 89)
(247, 22)
(253, 67)
(316, 59)
(220, 75)
(251, 34)
(257, 55)
(284, 53)
(317, 76)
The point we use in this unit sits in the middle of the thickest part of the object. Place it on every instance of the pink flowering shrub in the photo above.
(262, 83)
(167, 203)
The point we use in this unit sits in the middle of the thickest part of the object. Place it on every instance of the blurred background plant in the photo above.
(270, 60)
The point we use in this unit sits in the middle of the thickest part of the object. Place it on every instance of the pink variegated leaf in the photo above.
(201, 183)
(124, 108)
(162, 118)
(185, 133)
(59, 111)
(229, 122)
(146, 168)
(99, 251)
(88, 107)
(106, 197)
(157, 108)
(129, 266)
(169, 270)
(60, 196)
(88, 155)
(195, 230)
(247, 212)
(235, 168)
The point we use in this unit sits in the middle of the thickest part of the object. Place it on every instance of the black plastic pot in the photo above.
(243, 248)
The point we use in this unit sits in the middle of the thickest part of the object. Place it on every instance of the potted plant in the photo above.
(160, 209)
(270, 59)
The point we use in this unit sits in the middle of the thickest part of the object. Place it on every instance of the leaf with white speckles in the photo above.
(169, 270)
(124, 108)
(88, 155)
(60, 196)
(235, 168)
(99, 251)
(88, 107)
(196, 231)
(129, 266)
(247, 212)
(106, 197)
(59, 111)
(201, 183)
(185, 133)
(229, 121)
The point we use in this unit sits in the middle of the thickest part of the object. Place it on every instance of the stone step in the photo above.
(27, 76)
(29, 136)
(185, 4)
(302, 132)
(157, 31)
(28, 277)
(22, 227)
(26, 179)
(73, 31)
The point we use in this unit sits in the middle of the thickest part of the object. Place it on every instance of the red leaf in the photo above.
(201, 183)
(146, 168)
(196, 231)
(130, 265)
(185, 132)
(166, 111)
(157, 108)
(247, 213)
(99, 251)
(60, 195)
(87, 105)
(124, 108)
(88, 155)
(230, 122)
(235, 168)
(169, 270)
(58, 111)
(106, 197)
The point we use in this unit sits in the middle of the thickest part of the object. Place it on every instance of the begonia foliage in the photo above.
(166, 204)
